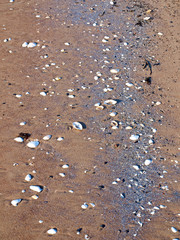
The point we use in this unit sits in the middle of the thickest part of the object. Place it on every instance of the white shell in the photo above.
(47, 137)
(22, 123)
(110, 102)
(77, 126)
(19, 139)
(129, 84)
(52, 231)
(134, 137)
(33, 144)
(114, 70)
(148, 162)
(60, 139)
(18, 95)
(173, 229)
(25, 44)
(92, 204)
(29, 177)
(15, 202)
(32, 44)
(43, 94)
(114, 124)
(36, 188)
(65, 166)
(113, 114)
(136, 167)
(35, 197)
(84, 206)
(100, 107)
(62, 174)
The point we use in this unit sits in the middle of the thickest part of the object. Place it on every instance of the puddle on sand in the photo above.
(102, 167)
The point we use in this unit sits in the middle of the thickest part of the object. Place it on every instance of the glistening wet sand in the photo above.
(96, 183)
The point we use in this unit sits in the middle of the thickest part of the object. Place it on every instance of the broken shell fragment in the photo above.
(77, 126)
(32, 44)
(29, 177)
(19, 139)
(100, 107)
(114, 124)
(113, 114)
(84, 206)
(15, 202)
(60, 139)
(52, 231)
(114, 71)
(148, 162)
(110, 102)
(36, 188)
(33, 144)
(134, 137)
(47, 137)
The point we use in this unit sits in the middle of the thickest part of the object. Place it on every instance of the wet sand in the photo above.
(78, 44)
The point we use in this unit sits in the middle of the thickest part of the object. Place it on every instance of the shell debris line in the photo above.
(87, 141)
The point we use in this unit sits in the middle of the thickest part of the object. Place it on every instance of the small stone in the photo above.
(22, 123)
(43, 94)
(136, 167)
(25, 44)
(77, 126)
(35, 197)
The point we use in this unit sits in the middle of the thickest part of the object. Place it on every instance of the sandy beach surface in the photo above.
(89, 120)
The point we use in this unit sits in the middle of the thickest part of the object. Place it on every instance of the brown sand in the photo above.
(92, 156)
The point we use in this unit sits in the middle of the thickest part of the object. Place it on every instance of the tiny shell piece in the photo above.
(29, 177)
(65, 166)
(110, 102)
(173, 229)
(134, 137)
(148, 162)
(32, 44)
(84, 206)
(47, 137)
(114, 70)
(25, 44)
(36, 188)
(19, 139)
(33, 144)
(77, 126)
(15, 202)
(52, 231)
(60, 139)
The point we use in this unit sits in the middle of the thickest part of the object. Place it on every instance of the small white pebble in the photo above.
(136, 167)
(43, 94)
